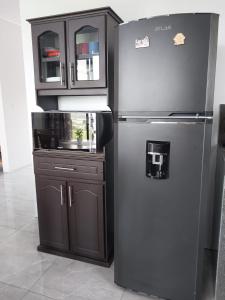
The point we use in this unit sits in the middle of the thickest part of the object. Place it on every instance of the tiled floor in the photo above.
(28, 274)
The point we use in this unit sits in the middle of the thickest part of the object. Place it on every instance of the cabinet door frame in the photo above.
(38, 30)
(73, 26)
(42, 182)
(97, 190)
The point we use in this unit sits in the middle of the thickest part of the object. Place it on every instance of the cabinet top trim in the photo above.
(84, 13)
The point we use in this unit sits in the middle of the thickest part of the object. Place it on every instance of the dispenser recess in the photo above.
(157, 159)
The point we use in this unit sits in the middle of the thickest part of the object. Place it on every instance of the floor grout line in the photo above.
(29, 289)
(122, 295)
(9, 236)
(35, 282)
(38, 294)
(14, 286)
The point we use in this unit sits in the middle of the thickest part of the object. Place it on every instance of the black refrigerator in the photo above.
(163, 154)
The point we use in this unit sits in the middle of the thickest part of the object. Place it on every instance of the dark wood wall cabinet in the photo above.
(75, 205)
(74, 53)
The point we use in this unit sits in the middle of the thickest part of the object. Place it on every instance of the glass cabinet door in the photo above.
(49, 55)
(87, 52)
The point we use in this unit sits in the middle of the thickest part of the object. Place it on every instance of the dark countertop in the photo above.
(70, 154)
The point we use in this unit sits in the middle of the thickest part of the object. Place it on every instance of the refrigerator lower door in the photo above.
(157, 219)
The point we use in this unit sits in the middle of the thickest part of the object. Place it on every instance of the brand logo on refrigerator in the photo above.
(163, 28)
(142, 43)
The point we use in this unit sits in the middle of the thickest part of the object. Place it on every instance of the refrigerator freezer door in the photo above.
(157, 221)
(175, 70)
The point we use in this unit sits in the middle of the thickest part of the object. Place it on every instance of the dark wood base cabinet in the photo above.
(74, 209)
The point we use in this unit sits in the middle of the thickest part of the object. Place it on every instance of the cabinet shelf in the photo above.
(50, 59)
(86, 56)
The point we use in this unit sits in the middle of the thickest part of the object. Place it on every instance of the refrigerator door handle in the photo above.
(183, 117)
(176, 122)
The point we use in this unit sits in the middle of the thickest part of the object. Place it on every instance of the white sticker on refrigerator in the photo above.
(179, 39)
(142, 43)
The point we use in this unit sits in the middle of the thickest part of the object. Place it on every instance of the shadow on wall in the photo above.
(218, 99)
(1, 168)
(219, 84)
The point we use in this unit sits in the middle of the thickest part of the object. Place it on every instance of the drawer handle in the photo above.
(61, 194)
(65, 169)
(70, 196)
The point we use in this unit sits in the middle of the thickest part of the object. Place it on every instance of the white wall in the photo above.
(14, 125)
(3, 141)
(9, 11)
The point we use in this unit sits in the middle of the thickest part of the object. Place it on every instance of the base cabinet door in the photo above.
(52, 212)
(86, 221)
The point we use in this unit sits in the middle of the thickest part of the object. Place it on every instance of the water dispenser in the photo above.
(157, 159)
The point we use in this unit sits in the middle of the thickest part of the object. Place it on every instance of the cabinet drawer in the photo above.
(81, 169)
